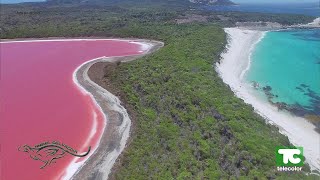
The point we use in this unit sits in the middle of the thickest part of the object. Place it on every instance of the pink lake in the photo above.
(40, 102)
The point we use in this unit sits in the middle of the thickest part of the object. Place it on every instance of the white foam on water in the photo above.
(143, 46)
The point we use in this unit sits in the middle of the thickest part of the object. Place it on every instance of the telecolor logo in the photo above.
(289, 158)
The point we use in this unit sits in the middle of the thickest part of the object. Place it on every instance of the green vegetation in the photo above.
(189, 124)
(52, 19)
(76, 21)
(284, 19)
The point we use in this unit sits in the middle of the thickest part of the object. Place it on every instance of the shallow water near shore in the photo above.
(234, 68)
(289, 63)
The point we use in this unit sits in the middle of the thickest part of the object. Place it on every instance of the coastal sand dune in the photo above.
(234, 64)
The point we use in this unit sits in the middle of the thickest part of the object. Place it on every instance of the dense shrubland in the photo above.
(40, 20)
(188, 123)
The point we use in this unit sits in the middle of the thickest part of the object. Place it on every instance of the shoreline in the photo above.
(301, 132)
(117, 121)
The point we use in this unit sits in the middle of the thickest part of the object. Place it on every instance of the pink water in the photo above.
(40, 102)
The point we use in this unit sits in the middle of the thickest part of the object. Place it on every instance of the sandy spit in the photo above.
(117, 121)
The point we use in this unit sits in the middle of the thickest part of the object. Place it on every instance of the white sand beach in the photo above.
(234, 64)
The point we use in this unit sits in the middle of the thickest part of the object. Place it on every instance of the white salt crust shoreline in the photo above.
(235, 62)
(124, 129)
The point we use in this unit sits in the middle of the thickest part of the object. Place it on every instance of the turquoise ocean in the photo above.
(286, 66)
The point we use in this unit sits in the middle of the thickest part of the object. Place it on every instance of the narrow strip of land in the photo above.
(118, 123)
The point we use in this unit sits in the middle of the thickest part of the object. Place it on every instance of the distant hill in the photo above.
(213, 2)
(114, 2)
(118, 2)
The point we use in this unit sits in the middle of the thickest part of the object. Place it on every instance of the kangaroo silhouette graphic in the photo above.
(49, 153)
